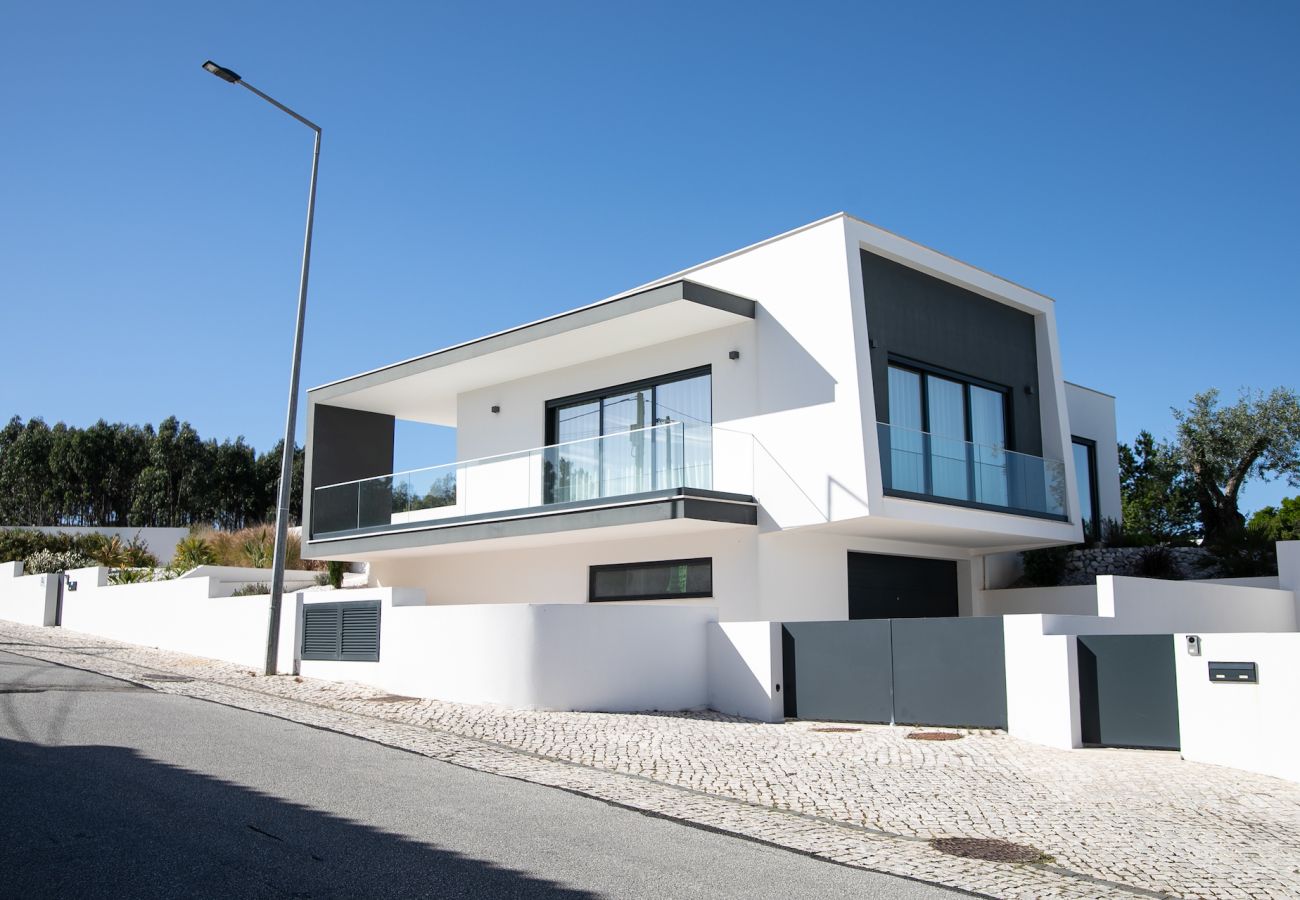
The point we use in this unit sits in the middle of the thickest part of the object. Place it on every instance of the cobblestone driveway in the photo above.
(1115, 823)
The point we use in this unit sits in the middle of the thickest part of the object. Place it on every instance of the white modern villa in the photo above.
(835, 423)
(788, 483)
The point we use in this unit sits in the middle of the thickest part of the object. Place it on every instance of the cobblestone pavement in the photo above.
(1111, 823)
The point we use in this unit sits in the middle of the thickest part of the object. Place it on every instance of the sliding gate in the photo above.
(944, 671)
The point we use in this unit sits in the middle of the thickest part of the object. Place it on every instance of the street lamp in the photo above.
(286, 463)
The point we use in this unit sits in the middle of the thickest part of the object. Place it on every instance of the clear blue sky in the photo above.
(484, 165)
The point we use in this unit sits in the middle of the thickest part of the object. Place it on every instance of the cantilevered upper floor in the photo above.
(837, 377)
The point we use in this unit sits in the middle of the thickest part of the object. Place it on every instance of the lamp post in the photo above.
(286, 463)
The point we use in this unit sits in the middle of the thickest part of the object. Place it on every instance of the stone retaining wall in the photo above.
(1084, 565)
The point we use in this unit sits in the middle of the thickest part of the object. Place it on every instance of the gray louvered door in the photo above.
(320, 630)
(341, 631)
(359, 632)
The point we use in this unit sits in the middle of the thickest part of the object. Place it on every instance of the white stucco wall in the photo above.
(521, 423)
(1246, 726)
(745, 670)
(558, 572)
(1071, 600)
(590, 657)
(1042, 683)
(1152, 606)
(776, 576)
(185, 615)
(1092, 416)
(27, 599)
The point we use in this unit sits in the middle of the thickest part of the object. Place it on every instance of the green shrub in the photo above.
(191, 552)
(130, 576)
(253, 546)
(107, 551)
(1157, 562)
(44, 561)
(252, 590)
(336, 570)
(1115, 535)
(136, 554)
(1244, 553)
(1044, 567)
(20, 543)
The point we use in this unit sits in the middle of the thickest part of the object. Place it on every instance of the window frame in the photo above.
(923, 369)
(1092, 533)
(552, 431)
(593, 571)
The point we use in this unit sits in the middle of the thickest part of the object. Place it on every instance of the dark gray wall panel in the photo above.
(1128, 693)
(350, 443)
(837, 671)
(888, 587)
(950, 672)
(928, 320)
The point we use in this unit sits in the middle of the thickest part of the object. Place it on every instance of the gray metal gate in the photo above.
(946, 671)
(1128, 692)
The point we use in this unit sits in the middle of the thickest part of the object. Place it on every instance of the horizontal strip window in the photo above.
(341, 631)
(665, 580)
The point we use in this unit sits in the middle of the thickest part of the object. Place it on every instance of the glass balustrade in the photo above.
(635, 461)
(944, 468)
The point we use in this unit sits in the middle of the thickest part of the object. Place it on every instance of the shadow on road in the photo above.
(99, 821)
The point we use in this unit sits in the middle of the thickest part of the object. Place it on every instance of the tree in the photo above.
(268, 467)
(1157, 496)
(1278, 523)
(1222, 447)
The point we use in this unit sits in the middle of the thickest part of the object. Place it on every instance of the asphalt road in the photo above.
(112, 790)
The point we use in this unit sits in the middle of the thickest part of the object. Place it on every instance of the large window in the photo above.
(674, 578)
(632, 438)
(1085, 473)
(948, 435)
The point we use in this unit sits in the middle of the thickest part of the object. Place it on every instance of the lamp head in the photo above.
(222, 73)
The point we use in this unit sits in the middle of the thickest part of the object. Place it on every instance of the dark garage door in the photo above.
(897, 587)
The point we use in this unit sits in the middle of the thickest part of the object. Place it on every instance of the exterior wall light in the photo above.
(496, 409)
(734, 354)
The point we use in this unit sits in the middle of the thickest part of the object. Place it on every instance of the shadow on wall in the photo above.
(102, 821)
(790, 377)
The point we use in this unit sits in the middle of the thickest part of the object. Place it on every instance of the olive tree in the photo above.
(1224, 446)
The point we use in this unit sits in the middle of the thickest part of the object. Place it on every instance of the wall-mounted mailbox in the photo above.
(1234, 672)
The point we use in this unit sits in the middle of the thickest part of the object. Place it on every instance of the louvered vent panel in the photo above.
(320, 631)
(360, 632)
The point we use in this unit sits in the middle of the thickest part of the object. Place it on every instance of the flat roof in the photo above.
(424, 388)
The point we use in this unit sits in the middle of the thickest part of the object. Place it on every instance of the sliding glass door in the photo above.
(631, 439)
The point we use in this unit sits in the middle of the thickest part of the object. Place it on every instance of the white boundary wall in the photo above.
(186, 615)
(1247, 726)
(745, 670)
(1042, 656)
(1042, 683)
(534, 656)
(1152, 606)
(28, 599)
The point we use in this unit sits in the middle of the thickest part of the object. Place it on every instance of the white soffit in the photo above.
(425, 389)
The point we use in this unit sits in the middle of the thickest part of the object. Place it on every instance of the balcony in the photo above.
(662, 462)
(923, 466)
